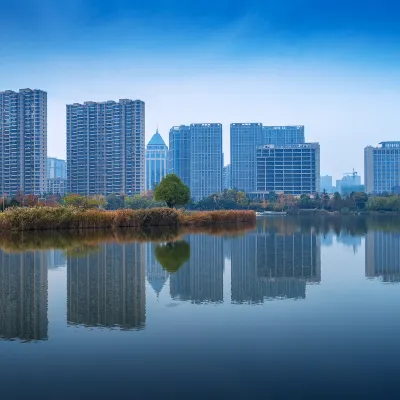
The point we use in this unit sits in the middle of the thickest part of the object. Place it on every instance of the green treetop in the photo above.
(173, 191)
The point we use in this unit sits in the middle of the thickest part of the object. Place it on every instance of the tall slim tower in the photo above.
(23, 142)
(156, 161)
(105, 147)
(179, 153)
(206, 160)
(244, 141)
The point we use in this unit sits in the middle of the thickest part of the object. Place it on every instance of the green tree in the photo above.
(74, 200)
(137, 202)
(172, 255)
(173, 191)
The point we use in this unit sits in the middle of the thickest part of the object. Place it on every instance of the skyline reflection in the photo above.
(271, 264)
(23, 295)
(107, 288)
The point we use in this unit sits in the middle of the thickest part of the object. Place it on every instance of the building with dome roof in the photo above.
(156, 161)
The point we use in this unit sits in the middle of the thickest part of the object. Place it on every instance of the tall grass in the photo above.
(48, 218)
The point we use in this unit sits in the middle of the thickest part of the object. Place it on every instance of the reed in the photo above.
(65, 218)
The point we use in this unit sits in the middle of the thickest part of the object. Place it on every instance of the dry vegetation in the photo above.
(64, 218)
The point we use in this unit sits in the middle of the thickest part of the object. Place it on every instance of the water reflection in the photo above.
(156, 275)
(23, 295)
(107, 288)
(271, 264)
(172, 255)
(382, 256)
(200, 280)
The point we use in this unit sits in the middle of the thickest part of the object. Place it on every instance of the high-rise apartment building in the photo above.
(179, 153)
(105, 147)
(288, 169)
(226, 177)
(156, 161)
(283, 135)
(245, 138)
(382, 167)
(205, 160)
(23, 142)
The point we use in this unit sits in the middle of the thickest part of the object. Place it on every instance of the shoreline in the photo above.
(70, 218)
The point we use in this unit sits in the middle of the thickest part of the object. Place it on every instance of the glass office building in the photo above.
(56, 168)
(205, 160)
(179, 152)
(105, 147)
(23, 142)
(283, 135)
(156, 161)
(288, 169)
(244, 140)
(382, 167)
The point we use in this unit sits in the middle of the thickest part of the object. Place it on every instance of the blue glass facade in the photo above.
(382, 167)
(244, 140)
(206, 160)
(283, 135)
(105, 147)
(179, 153)
(56, 168)
(23, 142)
(156, 161)
(288, 169)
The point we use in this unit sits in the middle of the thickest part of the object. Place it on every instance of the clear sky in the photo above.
(333, 66)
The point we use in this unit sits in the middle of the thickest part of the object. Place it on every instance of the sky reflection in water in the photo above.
(296, 308)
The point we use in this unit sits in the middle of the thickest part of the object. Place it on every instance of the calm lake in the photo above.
(292, 308)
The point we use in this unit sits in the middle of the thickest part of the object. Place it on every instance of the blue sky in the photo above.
(330, 65)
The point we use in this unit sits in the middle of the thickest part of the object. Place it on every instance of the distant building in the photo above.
(179, 153)
(245, 138)
(156, 161)
(226, 177)
(105, 147)
(56, 168)
(56, 186)
(205, 160)
(283, 135)
(350, 182)
(382, 167)
(291, 169)
(23, 142)
(326, 184)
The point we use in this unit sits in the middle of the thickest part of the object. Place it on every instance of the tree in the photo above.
(74, 200)
(115, 202)
(173, 191)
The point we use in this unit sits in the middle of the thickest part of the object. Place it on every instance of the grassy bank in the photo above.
(62, 218)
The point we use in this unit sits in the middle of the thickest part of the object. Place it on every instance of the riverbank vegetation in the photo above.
(60, 218)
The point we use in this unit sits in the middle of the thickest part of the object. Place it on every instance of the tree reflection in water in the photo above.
(172, 255)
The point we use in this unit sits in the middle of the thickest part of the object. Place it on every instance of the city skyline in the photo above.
(331, 67)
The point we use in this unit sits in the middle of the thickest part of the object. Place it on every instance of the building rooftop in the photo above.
(156, 140)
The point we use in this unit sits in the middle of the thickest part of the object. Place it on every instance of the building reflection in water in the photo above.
(56, 259)
(23, 295)
(107, 287)
(157, 276)
(268, 264)
(200, 280)
(382, 256)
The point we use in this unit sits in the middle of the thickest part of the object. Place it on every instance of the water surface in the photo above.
(292, 308)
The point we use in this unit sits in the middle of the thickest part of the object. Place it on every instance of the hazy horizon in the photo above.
(333, 68)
